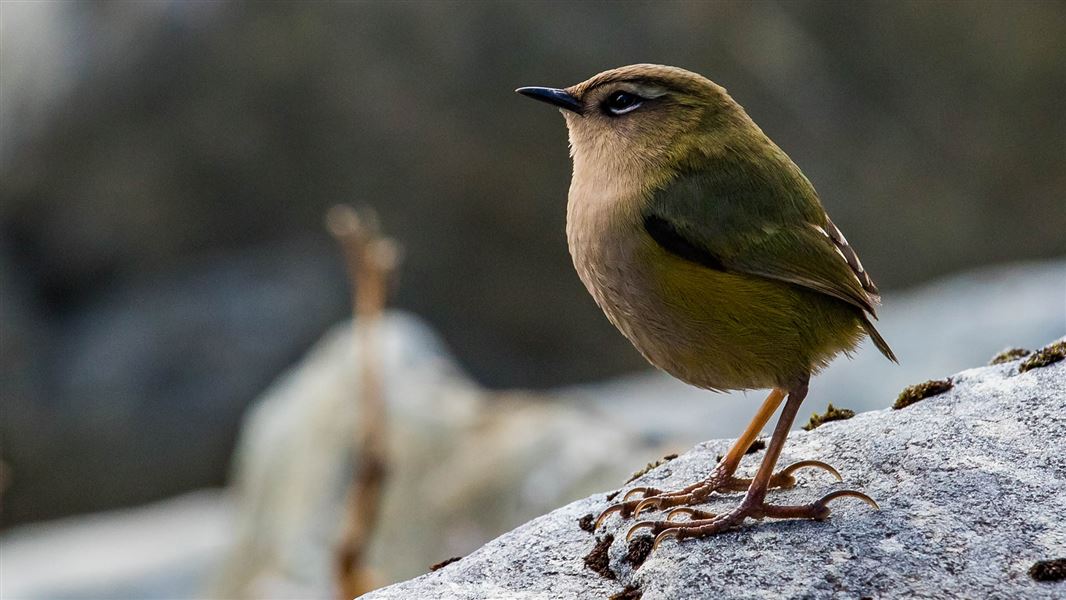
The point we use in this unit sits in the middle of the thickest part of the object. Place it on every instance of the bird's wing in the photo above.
(771, 225)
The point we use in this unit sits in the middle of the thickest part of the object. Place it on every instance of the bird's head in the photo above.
(647, 114)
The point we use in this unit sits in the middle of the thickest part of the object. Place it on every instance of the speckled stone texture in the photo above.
(972, 487)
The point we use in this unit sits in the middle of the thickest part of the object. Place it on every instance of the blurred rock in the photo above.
(466, 463)
(162, 551)
(970, 499)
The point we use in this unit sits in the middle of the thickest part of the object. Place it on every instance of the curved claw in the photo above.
(826, 499)
(682, 510)
(789, 470)
(645, 503)
(617, 508)
(663, 535)
(647, 491)
(692, 513)
(637, 527)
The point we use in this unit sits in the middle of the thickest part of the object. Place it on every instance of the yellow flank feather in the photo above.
(736, 331)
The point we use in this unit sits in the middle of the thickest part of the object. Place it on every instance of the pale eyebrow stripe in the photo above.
(649, 91)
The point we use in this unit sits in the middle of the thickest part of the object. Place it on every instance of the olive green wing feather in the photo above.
(799, 255)
(768, 225)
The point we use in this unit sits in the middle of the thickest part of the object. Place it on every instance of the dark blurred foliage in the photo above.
(163, 250)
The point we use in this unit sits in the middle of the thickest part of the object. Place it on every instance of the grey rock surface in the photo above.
(970, 484)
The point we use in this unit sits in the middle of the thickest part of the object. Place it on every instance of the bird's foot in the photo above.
(703, 523)
(720, 480)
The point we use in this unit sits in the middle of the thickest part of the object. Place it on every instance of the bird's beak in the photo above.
(560, 98)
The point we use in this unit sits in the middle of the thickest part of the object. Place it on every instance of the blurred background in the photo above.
(166, 168)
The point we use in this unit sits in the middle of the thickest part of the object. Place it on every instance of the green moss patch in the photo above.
(1008, 355)
(832, 413)
(1045, 356)
(921, 391)
(650, 466)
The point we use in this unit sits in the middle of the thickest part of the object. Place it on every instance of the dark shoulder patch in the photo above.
(671, 240)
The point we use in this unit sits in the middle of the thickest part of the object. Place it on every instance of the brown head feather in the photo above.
(671, 77)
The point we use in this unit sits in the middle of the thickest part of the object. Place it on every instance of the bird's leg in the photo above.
(753, 505)
(721, 479)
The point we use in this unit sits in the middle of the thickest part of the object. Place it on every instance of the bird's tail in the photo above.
(879, 341)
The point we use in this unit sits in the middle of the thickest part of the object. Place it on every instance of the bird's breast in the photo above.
(609, 250)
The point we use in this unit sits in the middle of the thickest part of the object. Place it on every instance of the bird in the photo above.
(709, 250)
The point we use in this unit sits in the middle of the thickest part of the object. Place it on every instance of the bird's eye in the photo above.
(619, 103)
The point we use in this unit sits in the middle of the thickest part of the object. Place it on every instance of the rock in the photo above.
(465, 463)
(969, 482)
(164, 550)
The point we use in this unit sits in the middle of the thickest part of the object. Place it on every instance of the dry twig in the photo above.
(372, 261)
